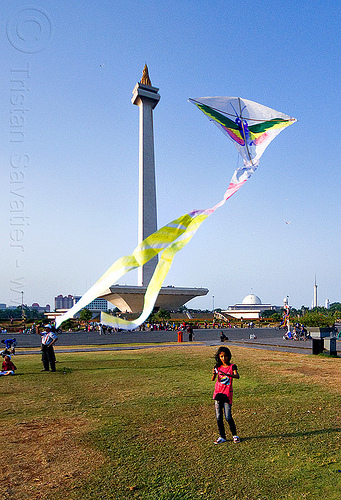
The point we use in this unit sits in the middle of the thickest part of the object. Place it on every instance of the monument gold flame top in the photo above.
(145, 77)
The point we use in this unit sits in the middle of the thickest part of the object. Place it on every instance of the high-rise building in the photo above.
(63, 302)
(67, 301)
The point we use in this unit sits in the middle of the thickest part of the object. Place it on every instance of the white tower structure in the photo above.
(315, 294)
(129, 298)
(146, 98)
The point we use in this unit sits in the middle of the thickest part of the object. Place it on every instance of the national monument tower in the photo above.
(146, 98)
(129, 298)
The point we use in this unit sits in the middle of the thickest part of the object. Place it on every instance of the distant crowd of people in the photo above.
(299, 333)
(167, 326)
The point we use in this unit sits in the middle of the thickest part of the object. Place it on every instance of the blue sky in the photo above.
(80, 185)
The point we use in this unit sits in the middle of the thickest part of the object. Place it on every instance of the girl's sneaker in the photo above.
(220, 440)
(236, 439)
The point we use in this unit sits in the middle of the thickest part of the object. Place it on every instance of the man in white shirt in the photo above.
(48, 338)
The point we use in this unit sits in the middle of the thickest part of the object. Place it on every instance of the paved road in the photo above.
(93, 338)
(267, 338)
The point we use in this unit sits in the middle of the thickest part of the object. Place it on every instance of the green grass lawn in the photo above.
(141, 424)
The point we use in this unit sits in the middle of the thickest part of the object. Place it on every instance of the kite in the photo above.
(251, 127)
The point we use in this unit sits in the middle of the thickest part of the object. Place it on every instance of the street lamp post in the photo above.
(213, 302)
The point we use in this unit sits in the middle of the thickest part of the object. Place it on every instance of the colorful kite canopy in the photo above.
(251, 127)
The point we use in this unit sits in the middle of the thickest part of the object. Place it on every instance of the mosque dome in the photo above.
(251, 300)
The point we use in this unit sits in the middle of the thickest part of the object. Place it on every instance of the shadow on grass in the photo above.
(293, 434)
(118, 366)
(63, 371)
(96, 369)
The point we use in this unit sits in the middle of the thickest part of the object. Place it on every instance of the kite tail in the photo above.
(168, 241)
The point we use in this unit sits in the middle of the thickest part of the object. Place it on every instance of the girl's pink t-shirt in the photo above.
(223, 383)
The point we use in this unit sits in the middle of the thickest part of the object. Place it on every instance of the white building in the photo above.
(36, 307)
(251, 308)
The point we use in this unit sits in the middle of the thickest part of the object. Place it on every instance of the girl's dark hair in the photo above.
(226, 350)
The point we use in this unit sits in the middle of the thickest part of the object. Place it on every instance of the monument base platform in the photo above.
(130, 298)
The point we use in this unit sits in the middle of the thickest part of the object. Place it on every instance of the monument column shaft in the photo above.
(146, 98)
(147, 218)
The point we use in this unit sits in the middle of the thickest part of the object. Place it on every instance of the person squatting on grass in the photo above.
(8, 367)
(224, 372)
(10, 345)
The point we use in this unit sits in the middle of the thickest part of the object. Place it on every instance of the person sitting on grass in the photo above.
(8, 367)
(225, 372)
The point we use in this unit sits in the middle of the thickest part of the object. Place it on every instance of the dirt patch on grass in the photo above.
(41, 456)
(308, 369)
(326, 372)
